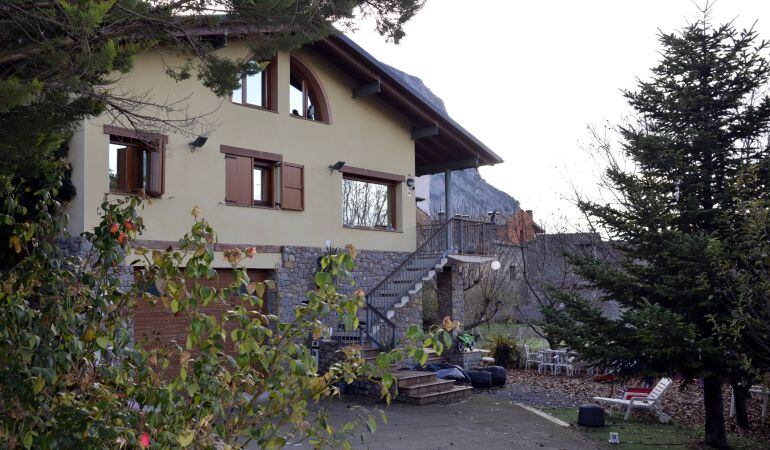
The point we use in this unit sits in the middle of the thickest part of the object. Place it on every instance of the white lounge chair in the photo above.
(650, 403)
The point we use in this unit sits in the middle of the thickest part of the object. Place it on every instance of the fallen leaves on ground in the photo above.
(684, 403)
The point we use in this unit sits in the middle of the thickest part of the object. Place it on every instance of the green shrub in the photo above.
(71, 377)
(503, 348)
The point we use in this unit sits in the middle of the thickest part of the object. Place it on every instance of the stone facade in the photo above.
(409, 314)
(450, 298)
(328, 353)
(295, 278)
(80, 248)
(299, 264)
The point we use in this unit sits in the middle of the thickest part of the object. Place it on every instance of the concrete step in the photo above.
(426, 388)
(388, 294)
(453, 395)
(433, 357)
(406, 378)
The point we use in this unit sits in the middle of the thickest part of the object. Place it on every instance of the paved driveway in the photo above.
(479, 423)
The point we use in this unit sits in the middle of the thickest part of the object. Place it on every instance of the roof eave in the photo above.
(430, 113)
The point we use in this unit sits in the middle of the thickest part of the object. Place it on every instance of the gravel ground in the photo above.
(683, 403)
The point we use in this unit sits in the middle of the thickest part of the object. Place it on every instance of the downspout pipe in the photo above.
(448, 206)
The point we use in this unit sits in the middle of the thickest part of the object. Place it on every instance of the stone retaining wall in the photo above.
(466, 359)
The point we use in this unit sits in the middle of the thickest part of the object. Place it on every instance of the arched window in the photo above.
(259, 89)
(306, 97)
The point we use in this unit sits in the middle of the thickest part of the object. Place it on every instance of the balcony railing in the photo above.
(468, 237)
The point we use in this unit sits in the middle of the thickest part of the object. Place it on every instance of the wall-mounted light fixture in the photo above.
(199, 142)
(410, 185)
(336, 166)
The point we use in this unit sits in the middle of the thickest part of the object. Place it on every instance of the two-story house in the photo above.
(318, 150)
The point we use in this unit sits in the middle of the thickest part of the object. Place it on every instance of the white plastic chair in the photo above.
(530, 357)
(650, 403)
(546, 360)
(565, 361)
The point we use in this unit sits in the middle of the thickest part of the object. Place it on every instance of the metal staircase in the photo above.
(437, 241)
(405, 280)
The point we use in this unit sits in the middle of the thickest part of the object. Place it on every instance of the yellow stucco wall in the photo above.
(362, 132)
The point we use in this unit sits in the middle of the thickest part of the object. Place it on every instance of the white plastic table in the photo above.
(555, 359)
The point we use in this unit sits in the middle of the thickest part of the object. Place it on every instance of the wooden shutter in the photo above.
(122, 182)
(155, 172)
(292, 187)
(133, 169)
(238, 172)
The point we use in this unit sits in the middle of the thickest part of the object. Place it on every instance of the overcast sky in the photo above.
(528, 77)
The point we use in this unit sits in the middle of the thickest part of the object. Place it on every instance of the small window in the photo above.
(134, 167)
(249, 181)
(368, 204)
(257, 89)
(305, 94)
(261, 176)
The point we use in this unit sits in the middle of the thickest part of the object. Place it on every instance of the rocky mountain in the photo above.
(471, 194)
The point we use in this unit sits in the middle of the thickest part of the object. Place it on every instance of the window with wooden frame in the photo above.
(306, 97)
(368, 201)
(256, 178)
(258, 89)
(249, 181)
(136, 162)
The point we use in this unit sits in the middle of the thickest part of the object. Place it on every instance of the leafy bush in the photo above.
(71, 377)
(503, 348)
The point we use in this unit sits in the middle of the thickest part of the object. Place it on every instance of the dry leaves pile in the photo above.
(683, 403)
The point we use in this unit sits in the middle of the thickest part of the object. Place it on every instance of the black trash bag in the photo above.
(499, 375)
(480, 379)
(455, 373)
(435, 367)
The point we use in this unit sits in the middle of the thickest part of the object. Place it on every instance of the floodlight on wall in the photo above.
(495, 265)
(336, 166)
(199, 142)
(410, 185)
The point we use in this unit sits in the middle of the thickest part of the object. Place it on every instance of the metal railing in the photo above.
(458, 235)
(397, 284)
(469, 237)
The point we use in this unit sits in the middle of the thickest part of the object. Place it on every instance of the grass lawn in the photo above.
(530, 338)
(636, 434)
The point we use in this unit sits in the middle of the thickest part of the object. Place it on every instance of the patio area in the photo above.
(480, 422)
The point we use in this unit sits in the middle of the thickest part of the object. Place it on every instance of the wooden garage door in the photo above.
(161, 327)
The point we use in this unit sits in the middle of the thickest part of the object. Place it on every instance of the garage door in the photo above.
(161, 327)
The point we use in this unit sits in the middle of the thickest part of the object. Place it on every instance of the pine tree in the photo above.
(701, 120)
